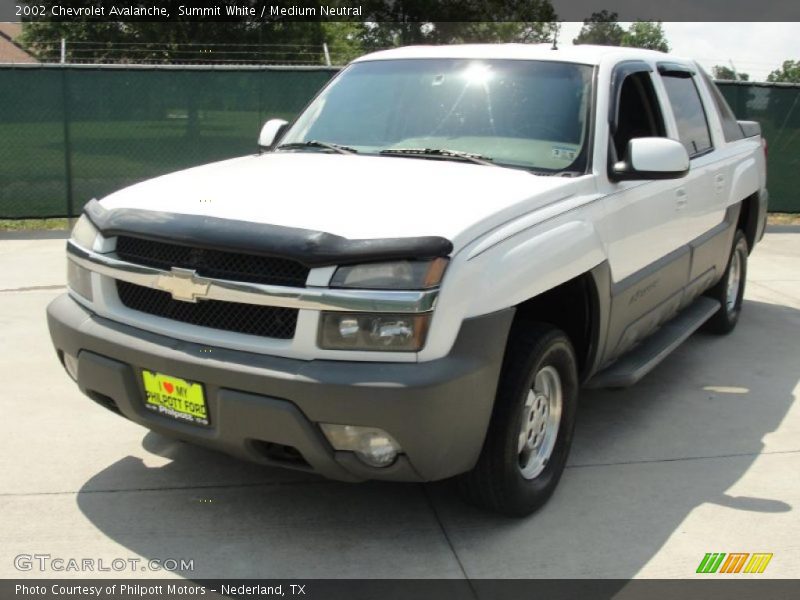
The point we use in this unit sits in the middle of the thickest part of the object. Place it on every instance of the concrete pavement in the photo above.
(701, 456)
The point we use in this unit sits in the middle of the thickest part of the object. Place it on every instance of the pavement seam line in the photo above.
(680, 459)
(442, 528)
(34, 288)
(175, 488)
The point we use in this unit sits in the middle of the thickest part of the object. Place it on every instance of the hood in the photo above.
(356, 197)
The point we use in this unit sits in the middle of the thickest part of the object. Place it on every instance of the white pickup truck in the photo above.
(413, 280)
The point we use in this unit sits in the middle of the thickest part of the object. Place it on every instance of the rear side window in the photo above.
(730, 126)
(689, 113)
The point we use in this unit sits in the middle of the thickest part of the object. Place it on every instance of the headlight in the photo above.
(84, 233)
(397, 275)
(370, 331)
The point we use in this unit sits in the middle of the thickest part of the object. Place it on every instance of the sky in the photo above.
(754, 48)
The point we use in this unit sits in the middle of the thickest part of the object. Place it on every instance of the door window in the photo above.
(638, 113)
(690, 115)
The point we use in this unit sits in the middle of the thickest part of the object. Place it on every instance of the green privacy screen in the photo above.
(777, 108)
(69, 134)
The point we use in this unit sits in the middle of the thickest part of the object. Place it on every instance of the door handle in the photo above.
(719, 183)
(681, 199)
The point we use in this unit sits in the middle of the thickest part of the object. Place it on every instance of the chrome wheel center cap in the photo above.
(541, 417)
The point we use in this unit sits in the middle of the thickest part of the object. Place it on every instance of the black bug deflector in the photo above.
(312, 248)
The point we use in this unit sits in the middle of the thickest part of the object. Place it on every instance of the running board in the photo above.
(637, 363)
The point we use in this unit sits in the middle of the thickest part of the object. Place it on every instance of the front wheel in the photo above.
(530, 434)
(729, 291)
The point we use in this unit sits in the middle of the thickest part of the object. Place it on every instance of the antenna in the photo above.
(556, 29)
(735, 72)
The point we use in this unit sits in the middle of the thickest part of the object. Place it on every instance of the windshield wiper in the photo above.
(440, 152)
(317, 144)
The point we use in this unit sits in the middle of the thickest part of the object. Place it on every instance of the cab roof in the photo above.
(582, 54)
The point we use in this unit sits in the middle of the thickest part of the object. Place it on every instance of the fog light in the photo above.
(71, 365)
(373, 446)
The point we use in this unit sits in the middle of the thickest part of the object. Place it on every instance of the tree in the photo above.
(646, 34)
(344, 40)
(788, 73)
(602, 29)
(390, 34)
(404, 22)
(723, 73)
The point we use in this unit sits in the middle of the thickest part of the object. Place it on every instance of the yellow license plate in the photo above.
(176, 398)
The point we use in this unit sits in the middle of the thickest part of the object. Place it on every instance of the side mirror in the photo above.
(652, 158)
(271, 132)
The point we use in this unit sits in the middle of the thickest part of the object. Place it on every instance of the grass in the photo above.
(783, 219)
(32, 224)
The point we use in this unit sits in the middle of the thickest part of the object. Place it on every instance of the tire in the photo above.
(729, 291)
(539, 362)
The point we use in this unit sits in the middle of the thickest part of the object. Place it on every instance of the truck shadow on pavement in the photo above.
(643, 459)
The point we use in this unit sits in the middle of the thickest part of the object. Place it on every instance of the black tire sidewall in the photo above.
(525, 495)
(740, 246)
(724, 321)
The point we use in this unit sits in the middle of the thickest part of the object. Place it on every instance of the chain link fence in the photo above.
(777, 107)
(185, 53)
(71, 133)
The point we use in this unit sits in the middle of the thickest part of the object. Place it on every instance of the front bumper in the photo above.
(437, 411)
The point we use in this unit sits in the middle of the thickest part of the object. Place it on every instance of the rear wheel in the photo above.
(729, 290)
(528, 441)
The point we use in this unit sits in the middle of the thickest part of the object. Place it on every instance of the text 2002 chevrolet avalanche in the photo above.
(413, 280)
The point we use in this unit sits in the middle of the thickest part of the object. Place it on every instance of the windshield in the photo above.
(530, 114)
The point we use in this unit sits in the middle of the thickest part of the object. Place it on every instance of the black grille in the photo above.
(213, 263)
(265, 321)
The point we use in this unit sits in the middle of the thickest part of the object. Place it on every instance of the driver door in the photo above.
(643, 222)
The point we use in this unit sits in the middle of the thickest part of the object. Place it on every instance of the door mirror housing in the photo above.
(652, 158)
(271, 132)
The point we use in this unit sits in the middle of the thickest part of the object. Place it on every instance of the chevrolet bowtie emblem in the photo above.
(183, 284)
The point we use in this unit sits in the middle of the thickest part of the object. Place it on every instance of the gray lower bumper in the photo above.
(437, 411)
